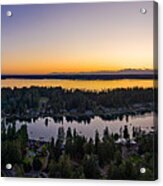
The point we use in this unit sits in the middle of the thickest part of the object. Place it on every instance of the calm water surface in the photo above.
(39, 131)
(78, 84)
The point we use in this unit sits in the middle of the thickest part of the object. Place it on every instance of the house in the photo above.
(121, 141)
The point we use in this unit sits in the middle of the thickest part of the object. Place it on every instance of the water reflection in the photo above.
(46, 128)
(78, 84)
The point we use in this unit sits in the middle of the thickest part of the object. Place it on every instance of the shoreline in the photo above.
(83, 76)
(105, 114)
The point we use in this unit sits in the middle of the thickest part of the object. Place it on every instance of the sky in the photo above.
(81, 37)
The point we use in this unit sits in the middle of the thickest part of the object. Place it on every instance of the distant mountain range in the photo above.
(99, 75)
(120, 72)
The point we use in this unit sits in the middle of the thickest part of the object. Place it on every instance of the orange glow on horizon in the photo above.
(41, 67)
(65, 40)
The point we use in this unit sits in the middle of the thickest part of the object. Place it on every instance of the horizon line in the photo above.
(85, 72)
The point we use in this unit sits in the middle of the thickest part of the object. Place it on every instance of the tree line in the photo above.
(29, 101)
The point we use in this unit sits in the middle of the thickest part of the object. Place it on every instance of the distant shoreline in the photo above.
(83, 76)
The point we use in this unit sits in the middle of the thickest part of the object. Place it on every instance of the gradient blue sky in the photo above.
(76, 37)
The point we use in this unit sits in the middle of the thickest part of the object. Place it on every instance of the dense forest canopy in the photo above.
(57, 100)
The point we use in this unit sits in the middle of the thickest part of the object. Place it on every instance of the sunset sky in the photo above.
(40, 39)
